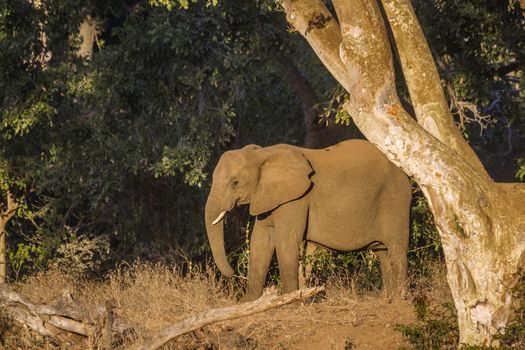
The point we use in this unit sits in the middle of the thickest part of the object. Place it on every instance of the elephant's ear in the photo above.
(284, 175)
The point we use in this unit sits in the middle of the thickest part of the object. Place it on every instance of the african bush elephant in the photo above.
(344, 197)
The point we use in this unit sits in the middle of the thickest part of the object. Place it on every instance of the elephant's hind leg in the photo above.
(398, 257)
(387, 270)
(305, 268)
(393, 270)
(395, 227)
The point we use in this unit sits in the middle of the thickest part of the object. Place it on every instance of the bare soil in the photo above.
(154, 296)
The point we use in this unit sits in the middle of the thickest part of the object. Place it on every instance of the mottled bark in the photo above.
(481, 223)
(423, 82)
(3, 266)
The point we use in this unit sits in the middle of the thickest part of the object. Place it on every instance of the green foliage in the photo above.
(480, 50)
(437, 326)
(122, 144)
(425, 244)
(26, 257)
(361, 267)
(169, 4)
(520, 174)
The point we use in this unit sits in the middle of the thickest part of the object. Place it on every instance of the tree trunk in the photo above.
(9, 210)
(481, 223)
(88, 32)
(317, 134)
(3, 266)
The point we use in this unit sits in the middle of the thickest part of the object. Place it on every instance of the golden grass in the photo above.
(154, 295)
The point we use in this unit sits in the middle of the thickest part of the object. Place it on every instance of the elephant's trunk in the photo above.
(216, 234)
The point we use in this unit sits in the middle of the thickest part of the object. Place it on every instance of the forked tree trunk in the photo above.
(481, 223)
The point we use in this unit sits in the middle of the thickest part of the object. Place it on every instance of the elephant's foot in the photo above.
(250, 296)
(395, 293)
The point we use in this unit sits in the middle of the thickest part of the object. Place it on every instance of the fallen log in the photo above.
(268, 301)
(64, 314)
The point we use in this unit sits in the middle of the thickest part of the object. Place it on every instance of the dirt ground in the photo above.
(351, 322)
(373, 329)
(154, 296)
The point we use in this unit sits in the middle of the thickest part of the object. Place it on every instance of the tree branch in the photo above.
(10, 210)
(266, 302)
(423, 82)
(317, 24)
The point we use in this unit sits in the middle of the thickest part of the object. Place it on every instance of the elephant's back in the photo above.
(355, 156)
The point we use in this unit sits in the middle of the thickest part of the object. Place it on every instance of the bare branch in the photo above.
(266, 302)
(459, 107)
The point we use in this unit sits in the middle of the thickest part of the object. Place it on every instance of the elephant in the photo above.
(345, 197)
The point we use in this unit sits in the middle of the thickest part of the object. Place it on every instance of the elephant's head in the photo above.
(263, 177)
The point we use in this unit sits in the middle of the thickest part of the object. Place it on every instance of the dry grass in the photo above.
(153, 296)
(432, 291)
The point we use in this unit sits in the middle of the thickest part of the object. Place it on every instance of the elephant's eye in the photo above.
(235, 183)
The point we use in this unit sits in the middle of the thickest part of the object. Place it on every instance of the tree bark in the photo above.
(10, 209)
(481, 223)
(64, 315)
(88, 32)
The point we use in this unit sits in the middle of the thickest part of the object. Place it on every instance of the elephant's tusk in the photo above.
(219, 218)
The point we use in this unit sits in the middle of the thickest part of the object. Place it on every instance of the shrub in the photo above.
(82, 256)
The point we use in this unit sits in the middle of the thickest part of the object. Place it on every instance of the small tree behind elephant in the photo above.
(345, 197)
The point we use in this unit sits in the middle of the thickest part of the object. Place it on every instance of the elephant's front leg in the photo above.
(288, 237)
(261, 251)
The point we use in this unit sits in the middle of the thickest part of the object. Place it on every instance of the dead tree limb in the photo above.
(266, 302)
(64, 314)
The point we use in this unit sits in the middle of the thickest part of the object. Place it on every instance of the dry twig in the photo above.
(467, 111)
